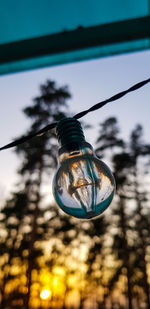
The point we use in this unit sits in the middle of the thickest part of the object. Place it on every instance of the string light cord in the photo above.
(79, 115)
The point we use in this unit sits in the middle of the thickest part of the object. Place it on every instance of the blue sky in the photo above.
(89, 82)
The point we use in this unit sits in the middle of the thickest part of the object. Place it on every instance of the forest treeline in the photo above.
(102, 263)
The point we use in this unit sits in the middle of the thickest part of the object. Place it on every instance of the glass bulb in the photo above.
(83, 185)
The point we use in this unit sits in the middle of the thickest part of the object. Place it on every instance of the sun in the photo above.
(45, 294)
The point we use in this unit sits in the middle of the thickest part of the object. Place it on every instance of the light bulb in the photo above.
(83, 185)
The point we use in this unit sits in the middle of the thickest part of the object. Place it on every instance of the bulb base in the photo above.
(69, 133)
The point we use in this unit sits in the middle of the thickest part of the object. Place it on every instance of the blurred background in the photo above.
(51, 260)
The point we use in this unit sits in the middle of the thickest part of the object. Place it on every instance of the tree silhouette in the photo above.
(38, 159)
(138, 150)
(42, 246)
(11, 224)
(109, 140)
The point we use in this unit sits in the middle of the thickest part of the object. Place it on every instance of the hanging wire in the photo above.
(28, 137)
(77, 116)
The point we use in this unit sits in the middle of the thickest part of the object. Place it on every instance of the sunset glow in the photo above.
(45, 294)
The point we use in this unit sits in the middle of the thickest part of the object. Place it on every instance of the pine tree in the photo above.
(97, 231)
(38, 160)
(139, 151)
(109, 140)
(122, 164)
(11, 223)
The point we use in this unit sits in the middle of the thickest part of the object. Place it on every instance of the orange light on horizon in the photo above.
(55, 282)
(45, 294)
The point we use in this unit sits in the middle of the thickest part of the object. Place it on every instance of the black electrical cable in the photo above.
(24, 139)
(113, 98)
(79, 115)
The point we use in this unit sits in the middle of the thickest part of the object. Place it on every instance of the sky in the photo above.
(89, 83)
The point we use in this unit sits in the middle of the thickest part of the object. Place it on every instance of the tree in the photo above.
(97, 232)
(108, 137)
(109, 140)
(140, 150)
(11, 224)
(38, 159)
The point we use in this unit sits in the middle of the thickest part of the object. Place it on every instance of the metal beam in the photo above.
(80, 38)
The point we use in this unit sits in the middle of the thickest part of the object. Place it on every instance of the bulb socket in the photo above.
(69, 133)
